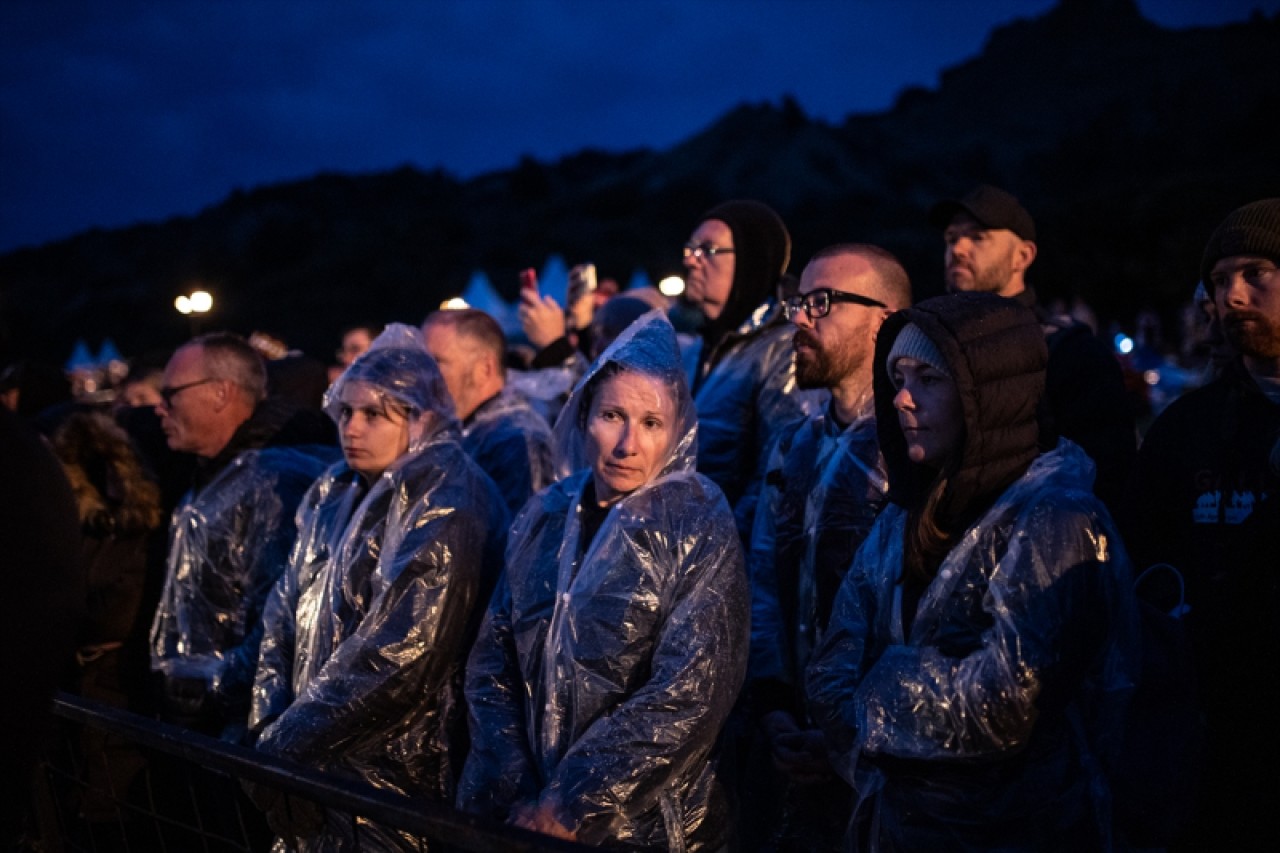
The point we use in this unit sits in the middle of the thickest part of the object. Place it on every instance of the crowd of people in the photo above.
(837, 570)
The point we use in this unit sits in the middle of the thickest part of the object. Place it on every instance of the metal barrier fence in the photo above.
(185, 792)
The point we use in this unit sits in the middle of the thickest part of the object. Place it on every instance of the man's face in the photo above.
(1246, 290)
(709, 274)
(139, 393)
(981, 259)
(193, 415)
(456, 356)
(354, 344)
(839, 345)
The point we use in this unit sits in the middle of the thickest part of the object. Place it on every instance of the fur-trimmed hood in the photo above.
(113, 493)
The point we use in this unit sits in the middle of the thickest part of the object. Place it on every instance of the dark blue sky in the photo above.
(119, 112)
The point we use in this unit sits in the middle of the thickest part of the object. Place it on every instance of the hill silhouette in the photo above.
(1127, 141)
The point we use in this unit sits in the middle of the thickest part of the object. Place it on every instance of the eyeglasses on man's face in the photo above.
(817, 303)
(705, 250)
(168, 393)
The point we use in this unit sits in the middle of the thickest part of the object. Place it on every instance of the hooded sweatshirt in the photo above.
(991, 722)
(744, 379)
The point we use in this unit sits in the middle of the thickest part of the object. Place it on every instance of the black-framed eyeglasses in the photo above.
(817, 303)
(705, 250)
(167, 394)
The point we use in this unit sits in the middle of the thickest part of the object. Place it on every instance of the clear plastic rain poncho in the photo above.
(367, 631)
(228, 543)
(512, 443)
(992, 721)
(824, 487)
(605, 670)
(748, 395)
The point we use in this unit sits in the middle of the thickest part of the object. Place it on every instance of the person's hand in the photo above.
(799, 753)
(185, 696)
(582, 302)
(263, 796)
(536, 818)
(776, 723)
(294, 817)
(541, 318)
(802, 756)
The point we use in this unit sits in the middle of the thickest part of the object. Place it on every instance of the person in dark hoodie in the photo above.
(230, 535)
(1206, 501)
(743, 373)
(982, 647)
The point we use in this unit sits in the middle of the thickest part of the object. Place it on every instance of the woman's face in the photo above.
(630, 430)
(929, 411)
(373, 434)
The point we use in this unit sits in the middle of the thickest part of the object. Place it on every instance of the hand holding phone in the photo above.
(581, 296)
(541, 317)
(528, 281)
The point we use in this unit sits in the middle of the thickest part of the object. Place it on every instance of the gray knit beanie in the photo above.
(1250, 230)
(913, 343)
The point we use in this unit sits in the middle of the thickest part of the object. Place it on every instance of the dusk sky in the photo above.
(122, 112)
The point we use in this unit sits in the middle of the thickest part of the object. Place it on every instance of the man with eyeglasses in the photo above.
(824, 486)
(1206, 500)
(230, 534)
(990, 244)
(743, 371)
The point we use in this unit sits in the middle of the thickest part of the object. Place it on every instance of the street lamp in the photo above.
(672, 285)
(195, 305)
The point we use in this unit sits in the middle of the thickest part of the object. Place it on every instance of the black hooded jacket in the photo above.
(986, 715)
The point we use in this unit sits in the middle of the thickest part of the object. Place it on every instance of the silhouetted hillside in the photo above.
(1127, 142)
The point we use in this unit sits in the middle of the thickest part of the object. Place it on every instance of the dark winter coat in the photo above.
(990, 724)
(1206, 500)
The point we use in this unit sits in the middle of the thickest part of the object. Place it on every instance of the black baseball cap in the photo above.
(991, 206)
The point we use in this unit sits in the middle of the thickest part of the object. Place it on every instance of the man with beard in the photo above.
(990, 243)
(824, 486)
(1206, 500)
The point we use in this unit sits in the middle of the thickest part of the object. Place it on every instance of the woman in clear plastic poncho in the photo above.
(616, 643)
(366, 632)
(981, 648)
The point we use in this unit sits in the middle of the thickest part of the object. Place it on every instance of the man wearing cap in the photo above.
(990, 243)
(743, 374)
(1206, 500)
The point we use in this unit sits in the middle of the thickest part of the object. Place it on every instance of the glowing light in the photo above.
(672, 285)
(457, 303)
(1151, 377)
(183, 304)
(200, 301)
(1124, 343)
